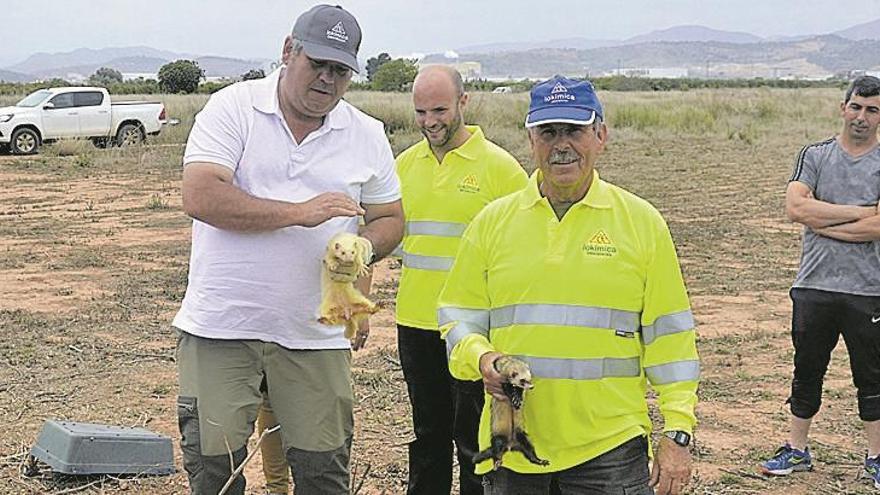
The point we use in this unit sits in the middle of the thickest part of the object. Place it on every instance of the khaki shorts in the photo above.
(310, 392)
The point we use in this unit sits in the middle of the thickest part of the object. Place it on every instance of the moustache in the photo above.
(559, 157)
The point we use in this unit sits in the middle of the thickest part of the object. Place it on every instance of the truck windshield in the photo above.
(34, 98)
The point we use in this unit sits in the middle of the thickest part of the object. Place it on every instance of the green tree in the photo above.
(180, 76)
(253, 74)
(396, 75)
(374, 63)
(105, 76)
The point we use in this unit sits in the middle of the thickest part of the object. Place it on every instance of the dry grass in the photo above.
(94, 251)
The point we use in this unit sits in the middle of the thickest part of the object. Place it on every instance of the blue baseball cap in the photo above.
(563, 100)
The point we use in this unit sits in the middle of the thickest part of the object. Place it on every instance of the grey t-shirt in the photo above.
(836, 177)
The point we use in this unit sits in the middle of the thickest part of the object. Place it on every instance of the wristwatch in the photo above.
(682, 438)
(372, 254)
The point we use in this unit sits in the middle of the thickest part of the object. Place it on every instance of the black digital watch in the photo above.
(681, 438)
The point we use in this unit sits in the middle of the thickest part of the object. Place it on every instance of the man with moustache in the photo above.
(834, 192)
(446, 179)
(579, 279)
(273, 169)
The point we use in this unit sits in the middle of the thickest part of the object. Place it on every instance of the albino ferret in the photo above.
(341, 302)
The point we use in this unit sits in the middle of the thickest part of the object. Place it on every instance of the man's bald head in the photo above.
(439, 74)
(439, 99)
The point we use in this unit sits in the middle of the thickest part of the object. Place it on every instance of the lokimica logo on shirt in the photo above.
(600, 244)
(469, 184)
(337, 33)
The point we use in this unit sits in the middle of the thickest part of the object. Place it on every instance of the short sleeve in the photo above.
(383, 186)
(217, 135)
(805, 167)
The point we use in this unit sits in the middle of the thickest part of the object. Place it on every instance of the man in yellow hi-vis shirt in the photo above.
(446, 179)
(579, 278)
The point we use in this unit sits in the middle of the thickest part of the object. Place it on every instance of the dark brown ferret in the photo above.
(507, 422)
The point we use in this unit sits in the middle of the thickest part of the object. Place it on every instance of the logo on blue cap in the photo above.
(559, 93)
(563, 100)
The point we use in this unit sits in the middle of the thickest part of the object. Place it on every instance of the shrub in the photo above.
(180, 76)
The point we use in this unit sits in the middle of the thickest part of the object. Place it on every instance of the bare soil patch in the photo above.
(93, 261)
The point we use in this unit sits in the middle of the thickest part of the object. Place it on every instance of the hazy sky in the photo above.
(256, 28)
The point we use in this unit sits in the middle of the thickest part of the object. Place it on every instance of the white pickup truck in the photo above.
(77, 112)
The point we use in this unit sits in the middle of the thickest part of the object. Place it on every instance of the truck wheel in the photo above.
(129, 135)
(24, 141)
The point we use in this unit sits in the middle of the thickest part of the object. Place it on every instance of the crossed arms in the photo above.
(847, 223)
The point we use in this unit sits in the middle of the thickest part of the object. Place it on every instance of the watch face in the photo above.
(680, 437)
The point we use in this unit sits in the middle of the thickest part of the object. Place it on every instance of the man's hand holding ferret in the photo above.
(343, 272)
(360, 337)
(492, 379)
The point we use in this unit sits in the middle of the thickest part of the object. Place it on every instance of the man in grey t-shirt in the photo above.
(834, 192)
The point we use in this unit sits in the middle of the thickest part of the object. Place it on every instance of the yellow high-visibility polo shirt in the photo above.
(595, 303)
(439, 201)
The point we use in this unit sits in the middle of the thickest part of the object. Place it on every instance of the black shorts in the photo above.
(819, 318)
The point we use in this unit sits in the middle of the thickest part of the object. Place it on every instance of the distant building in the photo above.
(652, 72)
(810, 77)
(130, 76)
(469, 70)
(74, 77)
(856, 73)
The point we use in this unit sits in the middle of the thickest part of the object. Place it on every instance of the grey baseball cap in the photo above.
(329, 32)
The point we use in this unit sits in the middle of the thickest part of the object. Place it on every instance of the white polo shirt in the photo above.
(266, 286)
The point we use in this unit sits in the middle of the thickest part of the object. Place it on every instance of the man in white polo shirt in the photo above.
(273, 169)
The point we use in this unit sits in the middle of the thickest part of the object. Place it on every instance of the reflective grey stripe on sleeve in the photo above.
(439, 229)
(676, 371)
(479, 317)
(565, 315)
(398, 251)
(583, 369)
(468, 321)
(682, 321)
(461, 330)
(436, 263)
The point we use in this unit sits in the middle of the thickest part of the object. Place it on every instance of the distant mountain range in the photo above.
(693, 33)
(868, 30)
(518, 46)
(815, 57)
(42, 62)
(695, 51)
(682, 51)
(10, 76)
(83, 62)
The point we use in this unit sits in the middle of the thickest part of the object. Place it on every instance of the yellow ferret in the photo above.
(341, 302)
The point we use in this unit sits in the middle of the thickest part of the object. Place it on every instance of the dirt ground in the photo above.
(93, 260)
